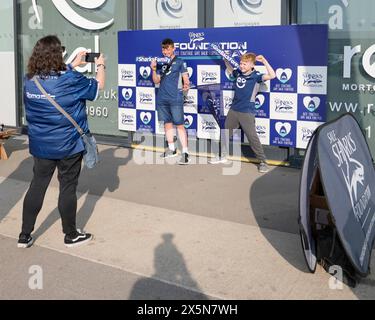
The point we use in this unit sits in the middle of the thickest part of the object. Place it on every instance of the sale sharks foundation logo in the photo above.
(145, 72)
(146, 117)
(353, 172)
(311, 103)
(283, 128)
(127, 93)
(284, 75)
(188, 122)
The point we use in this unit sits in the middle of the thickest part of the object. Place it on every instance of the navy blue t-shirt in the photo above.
(171, 80)
(246, 89)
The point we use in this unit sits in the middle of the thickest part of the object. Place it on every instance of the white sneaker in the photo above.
(218, 160)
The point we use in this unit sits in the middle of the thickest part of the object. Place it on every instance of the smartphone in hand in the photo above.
(90, 56)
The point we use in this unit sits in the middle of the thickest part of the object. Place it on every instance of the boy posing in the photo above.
(242, 112)
(173, 79)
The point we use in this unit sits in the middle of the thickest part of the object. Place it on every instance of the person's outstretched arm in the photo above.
(270, 72)
(100, 74)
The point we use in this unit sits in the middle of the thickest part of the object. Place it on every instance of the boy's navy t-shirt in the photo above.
(171, 80)
(246, 89)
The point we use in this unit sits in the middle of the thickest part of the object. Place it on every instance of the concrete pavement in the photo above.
(212, 237)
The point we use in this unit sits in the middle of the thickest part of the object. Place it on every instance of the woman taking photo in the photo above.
(53, 141)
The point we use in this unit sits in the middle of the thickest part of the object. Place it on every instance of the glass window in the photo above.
(80, 27)
(351, 71)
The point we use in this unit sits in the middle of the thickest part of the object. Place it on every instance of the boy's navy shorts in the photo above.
(171, 112)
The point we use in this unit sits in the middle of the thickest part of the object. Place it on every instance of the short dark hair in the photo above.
(46, 57)
(167, 42)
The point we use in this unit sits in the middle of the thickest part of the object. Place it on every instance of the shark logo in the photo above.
(196, 37)
(146, 117)
(283, 129)
(208, 125)
(68, 13)
(307, 134)
(171, 8)
(127, 119)
(284, 75)
(353, 176)
(312, 79)
(127, 93)
(311, 104)
(145, 72)
(247, 6)
(261, 130)
(188, 121)
(283, 105)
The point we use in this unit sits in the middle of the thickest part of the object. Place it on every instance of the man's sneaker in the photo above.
(25, 241)
(169, 154)
(185, 159)
(218, 160)
(263, 167)
(77, 238)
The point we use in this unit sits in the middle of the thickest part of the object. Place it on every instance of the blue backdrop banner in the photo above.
(288, 108)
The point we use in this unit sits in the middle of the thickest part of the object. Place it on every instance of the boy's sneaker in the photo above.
(185, 159)
(169, 154)
(263, 167)
(77, 238)
(25, 241)
(218, 160)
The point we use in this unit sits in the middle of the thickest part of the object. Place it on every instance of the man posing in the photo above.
(173, 79)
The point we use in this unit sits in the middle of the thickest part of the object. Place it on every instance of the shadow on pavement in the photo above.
(274, 201)
(10, 188)
(170, 266)
(92, 182)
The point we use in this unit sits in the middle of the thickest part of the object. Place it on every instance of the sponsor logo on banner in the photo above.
(312, 80)
(283, 106)
(191, 101)
(145, 98)
(127, 119)
(144, 76)
(145, 72)
(127, 75)
(311, 108)
(190, 123)
(127, 97)
(305, 130)
(228, 96)
(146, 121)
(344, 149)
(285, 80)
(262, 127)
(262, 107)
(196, 42)
(284, 75)
(208, 74)
(283, 133)
(208, 127)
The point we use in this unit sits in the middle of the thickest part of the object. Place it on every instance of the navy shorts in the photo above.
(171, 112)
